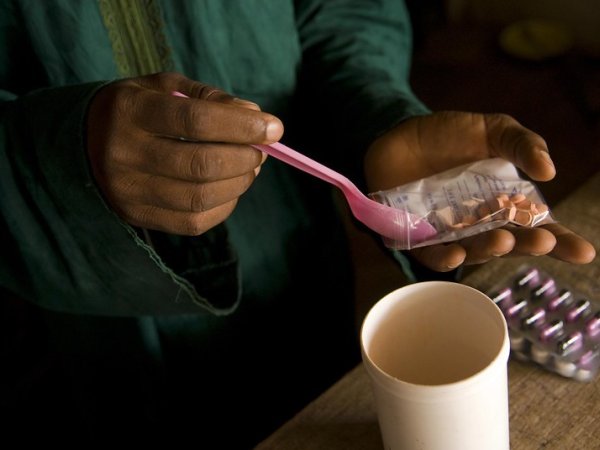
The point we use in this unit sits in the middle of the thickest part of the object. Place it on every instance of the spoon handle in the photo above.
(306, 164)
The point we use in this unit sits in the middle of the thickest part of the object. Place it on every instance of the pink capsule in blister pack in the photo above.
(550, 323)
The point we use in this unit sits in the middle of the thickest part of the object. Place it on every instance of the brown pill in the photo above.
(523, 217)
(517, 198)
(510, 213)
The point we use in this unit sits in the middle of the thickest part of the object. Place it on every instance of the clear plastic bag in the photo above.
(467, 200)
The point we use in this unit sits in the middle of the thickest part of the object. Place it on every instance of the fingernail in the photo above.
(246, 103)
(273, 131)
(546, 157)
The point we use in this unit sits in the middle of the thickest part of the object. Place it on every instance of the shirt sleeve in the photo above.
(63, 248)
(354, 80)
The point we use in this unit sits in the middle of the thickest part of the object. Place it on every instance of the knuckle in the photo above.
(195, 225)
(204, 91)
(124, 100)
(193, 120)
(205, 165)
(122, 155)
(247, 181)
(198, 223)
(199, 198)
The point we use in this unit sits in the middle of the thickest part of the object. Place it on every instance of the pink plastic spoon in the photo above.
(396, 224)
(399, 225)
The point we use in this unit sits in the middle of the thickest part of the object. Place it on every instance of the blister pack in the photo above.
(465, 201)
(550, 323)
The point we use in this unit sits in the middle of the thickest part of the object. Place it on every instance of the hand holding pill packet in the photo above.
(468, 200)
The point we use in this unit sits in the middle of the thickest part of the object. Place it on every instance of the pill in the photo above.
(516, 309)
(501, 296)
(580, 308)
(535, 318)
(531, 276)
(540, 355)
(517, 198)
(499, 203)
(583, 375)
(563, 298)
(471, 202)
(587, 365)
(546, 288)
(552, 330)
(483, 211)
(565, 368)
(517, 342)
(588, 358)
(570, 343)
(469, 220)
(526, 205)
(522, 217)
(445, 215)
(592, 327)
(511, 211)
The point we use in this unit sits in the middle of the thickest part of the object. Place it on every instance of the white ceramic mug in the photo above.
(437, 356)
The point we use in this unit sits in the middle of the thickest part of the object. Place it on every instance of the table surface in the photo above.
(546, 410)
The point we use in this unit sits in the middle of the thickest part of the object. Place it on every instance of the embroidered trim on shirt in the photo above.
(136, 32)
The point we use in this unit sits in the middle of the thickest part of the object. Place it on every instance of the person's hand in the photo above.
(174, 164)
(423, 146)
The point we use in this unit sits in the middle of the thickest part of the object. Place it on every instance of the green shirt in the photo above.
(276, 271)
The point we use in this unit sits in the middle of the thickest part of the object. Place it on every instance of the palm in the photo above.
(424, 146)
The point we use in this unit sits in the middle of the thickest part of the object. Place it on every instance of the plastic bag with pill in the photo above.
(468, 200)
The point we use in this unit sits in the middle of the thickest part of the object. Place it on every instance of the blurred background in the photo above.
(537, 60)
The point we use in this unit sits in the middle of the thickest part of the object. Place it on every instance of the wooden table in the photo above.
(547, 411)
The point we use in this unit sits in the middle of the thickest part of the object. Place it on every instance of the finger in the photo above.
(204, 120)
(441, 258)
(524, 148)
(174, 82)
(191, 161)
(181, 195)
(488, 245)
(176, 222)
(532, 241)
(570, 246)
(222, 97)
(217, 95)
